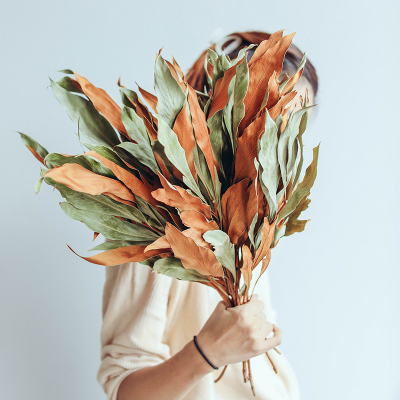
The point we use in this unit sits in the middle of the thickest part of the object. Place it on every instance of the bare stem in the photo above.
(251, 379)
(222, 374)
(272, 363)
(245, 371)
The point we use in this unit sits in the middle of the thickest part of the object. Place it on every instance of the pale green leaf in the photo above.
(174, 268)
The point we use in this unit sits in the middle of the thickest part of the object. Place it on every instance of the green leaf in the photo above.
(220, 143)
(173, 268)
(155, 219)
(251, 228)
(67, 84)
(278, 233)
(224, 250)
(268, 159)
(285, 145)
(109, 226)
(176, 154)
(115, 244)
(202, 170)
(38, 183)
(303, 188)
(241, 86)
(137, 131)
(94, 129)
(221, 66)
(28, 141)
(170, 95)
(101, 204)
(302, 128)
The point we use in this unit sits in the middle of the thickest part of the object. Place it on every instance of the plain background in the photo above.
(335, 286)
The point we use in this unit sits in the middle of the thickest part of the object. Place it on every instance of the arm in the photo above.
(229, 336)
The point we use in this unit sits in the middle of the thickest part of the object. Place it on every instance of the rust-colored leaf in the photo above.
(265, 45)
(193, 256)
(180, 198)
(34, 152)
(161, 243)
(265, 262)
(234, 203)
(142, 189)
(103, 103)
(267, 236)
(247, 149)
(259, 74)
(197, 220)
(247, 266)
(281, 104)
(81, 179)
(120, 255)
(220, 96)
(273, 90)
(184, 131)
(150, 98)
(177, 67)
(95, 234)
(201, 130)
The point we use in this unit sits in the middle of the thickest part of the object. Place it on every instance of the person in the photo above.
(149, 319)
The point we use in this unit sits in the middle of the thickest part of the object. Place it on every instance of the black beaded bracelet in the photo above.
(201, 352)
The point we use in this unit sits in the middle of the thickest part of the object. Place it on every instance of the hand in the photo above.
(238, 333)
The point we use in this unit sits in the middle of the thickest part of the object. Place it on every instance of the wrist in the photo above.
(190, 364)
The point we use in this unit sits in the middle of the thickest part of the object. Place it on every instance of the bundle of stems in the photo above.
(202, 187)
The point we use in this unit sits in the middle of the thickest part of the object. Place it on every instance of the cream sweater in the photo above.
(148, 317)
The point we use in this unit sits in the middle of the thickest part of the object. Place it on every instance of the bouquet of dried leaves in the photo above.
(202, 187)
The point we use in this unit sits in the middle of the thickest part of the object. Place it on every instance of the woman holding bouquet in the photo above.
(150, 320)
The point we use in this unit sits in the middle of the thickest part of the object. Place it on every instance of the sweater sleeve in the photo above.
(135, 301)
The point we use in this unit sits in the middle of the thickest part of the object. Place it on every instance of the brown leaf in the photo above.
(197, 220)
(120, 255)
(201, 130)
(281, 104)
(81, 179)
(247, 266)
(193, 256)
(247, 149)
(267, 236)
(234, 203)
(265, 262)
(34, 152)
(184, 131)
(139, 188)
(177, 67)
(265, 45)
(95, 234)
(220, 96)
(103, 103)
(150, 99)
(259, 74)
(161, 243)
(180, 198)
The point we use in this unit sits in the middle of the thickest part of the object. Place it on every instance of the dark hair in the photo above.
(196, 76)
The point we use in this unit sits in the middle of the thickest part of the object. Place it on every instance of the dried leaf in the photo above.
(246, 270)
(193, 256)
(103, 103)
(174, 268)
(267, 237)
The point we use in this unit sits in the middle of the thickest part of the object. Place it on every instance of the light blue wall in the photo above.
(335, 286)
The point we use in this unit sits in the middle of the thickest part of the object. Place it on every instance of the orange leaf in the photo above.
(259, 74)
(265, 45)
(81, 179)
(103, 103)
(150, 99)
(161, 243)
(95, 235)
(197, 220)
(265, 262)
(201, 130)
(220, 97)
(137, 187)
(34, 152)
(193, 256)
(234, 203)
(184, 131)
(177, 67)
(267, 236)
(120, 255)
(281, 104)
(247, 264)
(247, 149)
(180, 198)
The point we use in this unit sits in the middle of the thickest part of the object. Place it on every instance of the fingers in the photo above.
(276, 340)
(253, 307)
